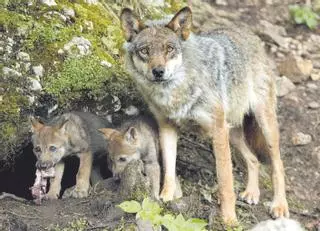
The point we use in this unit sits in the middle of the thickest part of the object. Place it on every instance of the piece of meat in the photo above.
(38, 190)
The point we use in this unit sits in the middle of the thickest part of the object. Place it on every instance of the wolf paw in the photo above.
(51, 196)
(75, 192)
(250, 196)
(279, 208)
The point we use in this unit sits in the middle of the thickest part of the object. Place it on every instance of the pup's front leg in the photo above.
(55, 183)
(168, 143)
(153, 172)
(81, 189)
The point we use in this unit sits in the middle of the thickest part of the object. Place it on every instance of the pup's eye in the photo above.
(122, 159)
(144, 51)
(52, 148)
(37, 149)
(170, 48)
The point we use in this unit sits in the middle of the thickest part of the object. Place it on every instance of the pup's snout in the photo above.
(158, 73)
(44, 164)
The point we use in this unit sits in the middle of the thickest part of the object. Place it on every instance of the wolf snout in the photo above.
(44, 164)
(158, 73)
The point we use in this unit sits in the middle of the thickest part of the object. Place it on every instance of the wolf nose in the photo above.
(158, 73)
(44, 164)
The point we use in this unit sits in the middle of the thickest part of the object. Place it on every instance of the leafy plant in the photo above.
(304, 15)
(151, 211)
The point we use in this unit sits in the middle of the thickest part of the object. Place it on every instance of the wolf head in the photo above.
(123, 147)
(156, 51)
(49, 143)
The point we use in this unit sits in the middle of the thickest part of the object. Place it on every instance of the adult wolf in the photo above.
(212, 81)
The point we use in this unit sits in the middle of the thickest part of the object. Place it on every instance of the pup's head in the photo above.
(156, 50)
(123, 147)
(49, 143)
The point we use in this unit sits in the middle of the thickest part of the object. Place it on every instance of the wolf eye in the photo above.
(122, 159)
(170, 48)
(52, 149)
(144, 51)
(37, 149)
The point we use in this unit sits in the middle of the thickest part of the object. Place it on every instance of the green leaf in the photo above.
(196, 223)
(130, 206)
(151, 206)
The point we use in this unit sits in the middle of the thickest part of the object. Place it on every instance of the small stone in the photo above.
(221, 2)
(91, 2)
(296, 68)
(31, 99)
(81, 43)
(35, 85)
(49, 2)
(23, 56)
(131, 110)
(313, 105)
(8, 71)
(105, 64)
(312, 86)
(301, 139)
(284, 86)
(315, 76)
(69, 12)
(38, 70)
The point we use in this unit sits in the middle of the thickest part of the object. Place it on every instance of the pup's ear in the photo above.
(131, 135)
(181, 23)
(62, 125)
(35, 124)
(131, 25)
(107, 132)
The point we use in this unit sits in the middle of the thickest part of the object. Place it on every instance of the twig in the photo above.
(197, 144)
(304, 214)
(12, 196)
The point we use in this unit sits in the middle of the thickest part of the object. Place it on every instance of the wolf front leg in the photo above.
(221, 148)
(168, 143)
(82, 186)
(55, 183)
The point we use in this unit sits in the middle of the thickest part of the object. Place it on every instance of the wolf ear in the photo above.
(130, 24)
(62, 125)
(107, 132)
(181, 23)
(35, 124)
(131, 135)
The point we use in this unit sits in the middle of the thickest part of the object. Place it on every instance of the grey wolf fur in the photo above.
(210, 81)
(73, 133)
(136, 139)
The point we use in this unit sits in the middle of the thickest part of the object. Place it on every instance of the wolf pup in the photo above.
(210, 81)
(137, 139)
(73, 133)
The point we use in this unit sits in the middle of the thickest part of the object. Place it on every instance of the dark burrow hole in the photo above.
(21, 176)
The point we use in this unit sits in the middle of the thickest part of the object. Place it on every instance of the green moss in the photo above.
(86, 74)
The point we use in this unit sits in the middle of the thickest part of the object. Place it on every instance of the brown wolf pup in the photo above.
(137, 139)
(210, 81)
(73, 133)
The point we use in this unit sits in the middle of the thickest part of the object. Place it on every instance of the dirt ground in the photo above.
(195, 161)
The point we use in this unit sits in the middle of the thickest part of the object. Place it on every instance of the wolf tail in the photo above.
(255, 138)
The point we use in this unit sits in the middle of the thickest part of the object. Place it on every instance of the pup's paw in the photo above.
(250, 196)
(51, 195)
(76, 192)
(279, 208)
